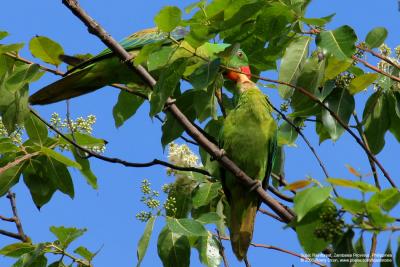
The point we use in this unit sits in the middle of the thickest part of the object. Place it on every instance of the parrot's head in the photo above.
(238, 60)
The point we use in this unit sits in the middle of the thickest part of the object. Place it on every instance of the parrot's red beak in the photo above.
(234, 76)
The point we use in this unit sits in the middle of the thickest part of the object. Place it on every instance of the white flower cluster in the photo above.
(181, 155)
(385, 66)
(80, 125)
(14, 136)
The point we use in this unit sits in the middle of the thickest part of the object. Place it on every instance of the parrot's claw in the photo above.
(219, 155)
(169, 103)
(255, 184)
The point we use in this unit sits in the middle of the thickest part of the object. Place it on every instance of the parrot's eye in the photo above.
(240, 54)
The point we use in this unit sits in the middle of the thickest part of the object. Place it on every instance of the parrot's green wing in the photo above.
(249, 139)
(101, 70)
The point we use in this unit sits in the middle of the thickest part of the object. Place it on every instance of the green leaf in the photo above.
(60, 158)
(11, 48)
(144, 240)
(376, 217)
(343, 246)
(187, 227)
(342, 103)
(21, 76)
(36, 129)
(66, 235)
(305, 230)
(82, 139)
(171, 128)
(3, 34)
(361, 82)
(168, 18)
(159, 58)
(360, 250)
(336, 66)
(85, 253)
(166, 85)
(387, 199)
(318, 21)
(57, 264)
(362, 186)
(376, 37)
(287, 134)
(17, 249)
(203, 76)
(309, 198)
(85, 170)
(291, 64)
(339, 42)
(208, 218)
(208, 247)
(205, 193)
(34, 258)
(6, 145)
(146, 50)
(126, 107)
(387, 259)
(46, 49)
(353, 206)
(377, 121)
(173, 249)
(10, 176)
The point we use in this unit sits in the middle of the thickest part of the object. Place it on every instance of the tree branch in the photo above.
(192, 131)
(394, 78)
(361, 47)
(117, 160)
(222, 250)
(281, 250)
(17, 221)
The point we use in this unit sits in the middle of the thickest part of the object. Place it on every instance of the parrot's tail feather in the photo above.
(241, 228)
(73, 85)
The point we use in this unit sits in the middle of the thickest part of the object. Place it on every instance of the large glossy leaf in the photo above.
(377, 121)
(144, 240)
(46, 49)
(210, 217)
(126, 107)
(336, 66)
(307, 199)
(17, 249)
(208, 247)
(15, 110)
(376, 37)
(360, 185)
(387, 199)
(205, 193)
(291, 64)
(287, 134)
(339, 42)
(66, 234)
(187, 227)
(36, 129)
(10, 176)
(173, 249)
(341, 103)
(353, 206)
(305, 230)
(168, 18)
(60, 158)
(166, 85)
(361, 82)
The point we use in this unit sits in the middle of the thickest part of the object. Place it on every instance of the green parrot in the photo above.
(106, 68)
(249, 138)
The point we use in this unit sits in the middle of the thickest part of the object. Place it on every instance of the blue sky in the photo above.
(109, 213)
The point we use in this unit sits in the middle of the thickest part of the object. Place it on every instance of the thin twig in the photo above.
(17, 220)
(279, 194)
(246, 261)
(12, 235)
(189, 127)
(380, 56)
(364, 138)
(281, 250)
(182, 137)
(222, 250)
(263, 211)
(394, 78)
(117, 160)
